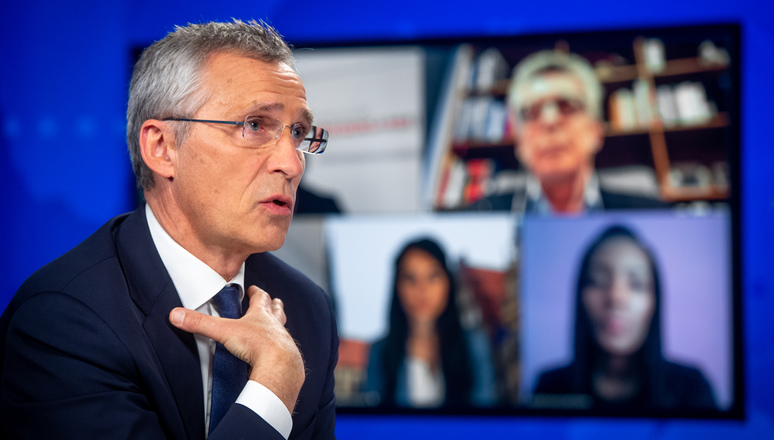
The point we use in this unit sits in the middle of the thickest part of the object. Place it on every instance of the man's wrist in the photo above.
(267, 405)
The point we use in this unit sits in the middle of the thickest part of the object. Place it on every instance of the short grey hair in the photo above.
(546, 61)
(167, 80)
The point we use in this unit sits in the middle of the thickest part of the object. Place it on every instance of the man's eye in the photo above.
(254, 124)
(568, 106)
(530, 113)
(299, 131)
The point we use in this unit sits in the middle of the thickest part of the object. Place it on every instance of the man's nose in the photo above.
(549, 113)
(285, 157)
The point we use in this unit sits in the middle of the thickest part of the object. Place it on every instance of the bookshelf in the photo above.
(665, 113)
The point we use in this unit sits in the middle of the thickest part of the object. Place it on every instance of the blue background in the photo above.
(65, 170)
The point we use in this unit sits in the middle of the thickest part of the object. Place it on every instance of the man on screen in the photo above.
(127, 335)
(555, 106)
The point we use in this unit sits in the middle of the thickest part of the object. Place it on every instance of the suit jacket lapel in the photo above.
(151, 288)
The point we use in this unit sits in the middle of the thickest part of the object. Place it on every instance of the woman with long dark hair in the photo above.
(427, 358)
(618, 362)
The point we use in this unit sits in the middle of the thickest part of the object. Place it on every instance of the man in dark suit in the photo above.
(131, 334)
(555, 108)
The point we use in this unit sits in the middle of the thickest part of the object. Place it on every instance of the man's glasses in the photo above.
(261, 130)
(561, 106)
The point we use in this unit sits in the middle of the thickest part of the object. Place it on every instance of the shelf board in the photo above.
(500, 88)
(616, 74)
(686, 66)
(719, 120)
(688, 194)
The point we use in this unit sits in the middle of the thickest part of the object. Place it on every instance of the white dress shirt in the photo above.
(536, 201)
(196, 284)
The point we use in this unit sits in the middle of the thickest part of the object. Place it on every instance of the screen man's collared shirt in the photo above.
(196, 284)
(535, 201)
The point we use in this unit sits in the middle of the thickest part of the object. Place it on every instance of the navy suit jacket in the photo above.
(610, 200)
(87, 350)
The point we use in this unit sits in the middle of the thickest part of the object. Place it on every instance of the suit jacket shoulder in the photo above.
(76, 342)
(87, 350)
(612, 200)
(494, 202)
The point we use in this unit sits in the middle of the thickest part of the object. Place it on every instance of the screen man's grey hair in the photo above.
(167, 79)
(546, 61)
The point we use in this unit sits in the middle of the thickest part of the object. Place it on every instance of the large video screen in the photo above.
(529, 224)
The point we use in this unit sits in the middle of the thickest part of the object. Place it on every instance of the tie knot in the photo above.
(228, 303)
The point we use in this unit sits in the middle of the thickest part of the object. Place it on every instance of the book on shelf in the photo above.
(632, 109)
(643, 103)
(479, 171)
(481, 119)
(463, 124)
(464, 182)
(451, 185)
(489, 67)
(683, 104)
(693, 108)
(496, 121)
(623, 116)
(667, 106)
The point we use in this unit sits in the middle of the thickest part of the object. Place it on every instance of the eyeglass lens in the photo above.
(563, 106)
(262, 130)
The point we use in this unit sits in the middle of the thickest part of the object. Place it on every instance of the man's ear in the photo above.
(157, 147)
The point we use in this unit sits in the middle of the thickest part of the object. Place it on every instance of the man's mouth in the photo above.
(279, 204)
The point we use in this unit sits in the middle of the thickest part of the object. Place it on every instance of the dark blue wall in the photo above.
(65, 170)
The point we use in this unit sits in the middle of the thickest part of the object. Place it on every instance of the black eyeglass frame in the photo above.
(323, 141)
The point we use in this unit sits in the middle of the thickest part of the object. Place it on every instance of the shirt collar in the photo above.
(538, 203)
(195, 282)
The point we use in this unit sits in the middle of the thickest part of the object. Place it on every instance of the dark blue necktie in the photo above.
(229, 373)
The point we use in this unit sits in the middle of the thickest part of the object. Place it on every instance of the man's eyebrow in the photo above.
(306, 114)
(267, 107)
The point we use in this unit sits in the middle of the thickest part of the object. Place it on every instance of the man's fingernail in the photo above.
(177, 317)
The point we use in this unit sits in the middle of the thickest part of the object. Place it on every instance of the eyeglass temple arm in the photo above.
(205, 120)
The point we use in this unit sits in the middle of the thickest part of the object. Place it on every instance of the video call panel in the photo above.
(462, 246)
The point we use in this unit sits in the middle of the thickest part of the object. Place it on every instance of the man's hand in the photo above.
(258, 338)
